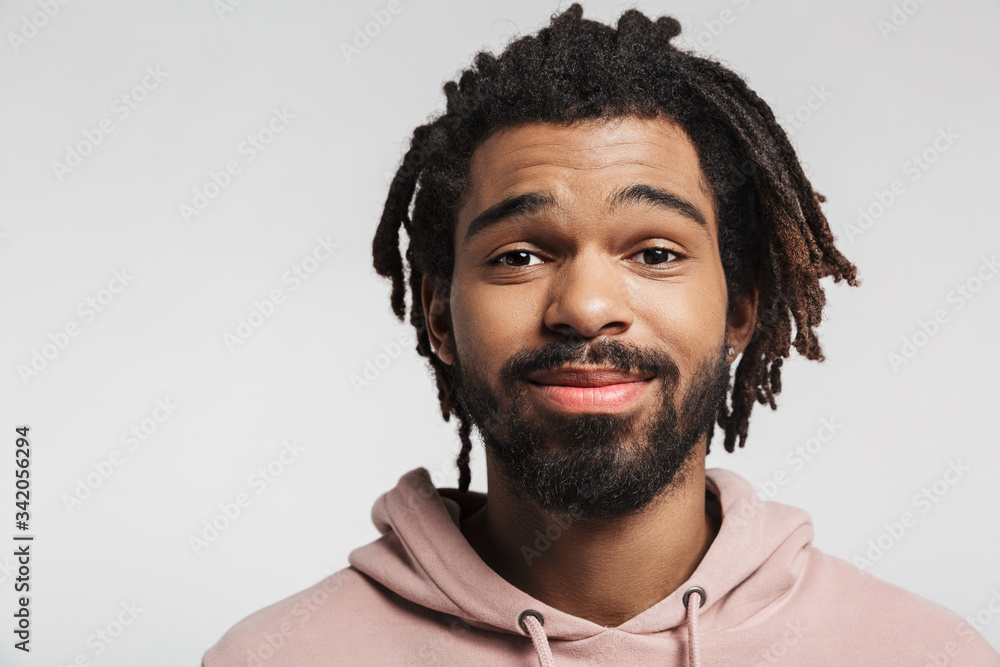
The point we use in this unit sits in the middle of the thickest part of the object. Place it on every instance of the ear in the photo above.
(741, 322)
(437, 315)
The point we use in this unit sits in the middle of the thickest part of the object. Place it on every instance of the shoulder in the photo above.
(305, 625)
(878, 615)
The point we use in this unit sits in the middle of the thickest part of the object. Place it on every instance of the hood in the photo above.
(757, 556)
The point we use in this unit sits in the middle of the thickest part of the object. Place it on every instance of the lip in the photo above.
(589, 390)
(581, 376)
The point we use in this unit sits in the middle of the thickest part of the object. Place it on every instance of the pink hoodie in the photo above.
(420, 595)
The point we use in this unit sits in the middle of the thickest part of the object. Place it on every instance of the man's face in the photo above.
(588, 318)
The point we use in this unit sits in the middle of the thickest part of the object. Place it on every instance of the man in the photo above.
(603, 225)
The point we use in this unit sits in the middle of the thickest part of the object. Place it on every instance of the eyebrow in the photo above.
(533, 202)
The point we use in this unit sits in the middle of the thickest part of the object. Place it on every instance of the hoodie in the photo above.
(761, 596)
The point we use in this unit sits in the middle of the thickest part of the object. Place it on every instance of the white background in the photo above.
(62, 236)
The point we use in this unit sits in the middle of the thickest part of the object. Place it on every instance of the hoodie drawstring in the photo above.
(531, 622)
(694, 655)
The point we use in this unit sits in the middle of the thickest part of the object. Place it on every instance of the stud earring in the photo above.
(730, 350)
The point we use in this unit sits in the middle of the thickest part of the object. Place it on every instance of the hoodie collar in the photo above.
(422, 556)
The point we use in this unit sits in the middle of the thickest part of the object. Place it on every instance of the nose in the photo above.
(589, 298)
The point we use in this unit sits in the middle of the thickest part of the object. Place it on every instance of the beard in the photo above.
(593, 464)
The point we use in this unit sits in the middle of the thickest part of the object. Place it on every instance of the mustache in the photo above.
(609, 352)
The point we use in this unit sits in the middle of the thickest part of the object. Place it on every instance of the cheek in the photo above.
(491, 323)
(688, 318)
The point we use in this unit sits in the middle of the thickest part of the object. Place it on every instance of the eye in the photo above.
(653, 255)
(515, 257)
(657, 255)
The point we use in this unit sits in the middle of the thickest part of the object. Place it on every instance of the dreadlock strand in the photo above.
(464, 430)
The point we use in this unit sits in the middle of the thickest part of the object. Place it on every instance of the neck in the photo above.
(604, 570)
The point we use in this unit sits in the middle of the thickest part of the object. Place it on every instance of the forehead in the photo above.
(582, 162)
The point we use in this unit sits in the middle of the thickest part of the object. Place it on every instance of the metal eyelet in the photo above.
(529, 612)
(701, 596)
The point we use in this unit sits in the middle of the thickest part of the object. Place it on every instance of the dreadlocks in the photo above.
(772, 233)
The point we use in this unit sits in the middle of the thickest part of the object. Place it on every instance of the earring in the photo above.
(730, 350)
